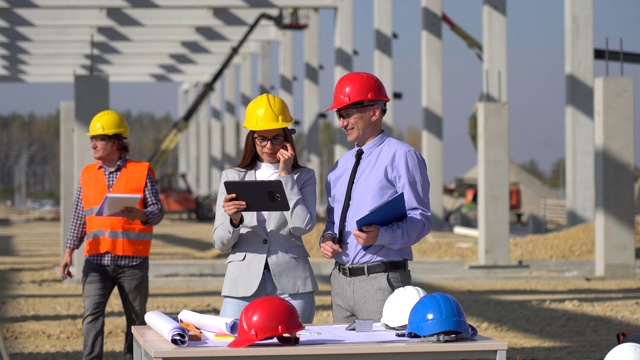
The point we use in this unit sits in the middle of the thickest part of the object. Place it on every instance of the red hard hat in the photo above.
(357, 86)
(264, 318)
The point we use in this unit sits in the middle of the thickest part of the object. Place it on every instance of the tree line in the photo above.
(38, 138)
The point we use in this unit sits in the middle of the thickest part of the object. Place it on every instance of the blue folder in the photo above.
(385, 213)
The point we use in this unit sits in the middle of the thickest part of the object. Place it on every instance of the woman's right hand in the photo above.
(233, 208)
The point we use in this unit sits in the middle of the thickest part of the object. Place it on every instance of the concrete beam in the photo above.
(203, 4)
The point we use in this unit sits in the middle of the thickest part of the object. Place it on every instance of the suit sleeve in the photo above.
(224, 234)
(301, 193)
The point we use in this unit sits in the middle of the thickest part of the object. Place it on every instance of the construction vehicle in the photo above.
(178, 198)
(175, 193)
(466, 213)
(515, 200)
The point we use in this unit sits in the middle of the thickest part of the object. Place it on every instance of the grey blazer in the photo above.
(282, 246)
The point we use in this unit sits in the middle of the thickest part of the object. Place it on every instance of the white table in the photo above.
(149, 344)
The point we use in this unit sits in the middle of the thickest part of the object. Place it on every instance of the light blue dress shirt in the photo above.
(388, 167)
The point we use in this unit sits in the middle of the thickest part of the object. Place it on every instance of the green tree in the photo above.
(558, 174)
(532, 168)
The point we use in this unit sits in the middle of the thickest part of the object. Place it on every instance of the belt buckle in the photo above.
(345, 271)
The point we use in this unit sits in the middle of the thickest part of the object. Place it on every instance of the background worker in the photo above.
(267, 255)
(116, 247)
(372, 263)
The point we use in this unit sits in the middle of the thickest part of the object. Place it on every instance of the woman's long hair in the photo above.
(250, 153)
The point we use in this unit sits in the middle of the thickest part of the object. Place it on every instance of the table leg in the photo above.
(3, 348)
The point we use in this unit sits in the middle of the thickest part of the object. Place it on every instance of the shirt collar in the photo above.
(371, 145)
(119, 164)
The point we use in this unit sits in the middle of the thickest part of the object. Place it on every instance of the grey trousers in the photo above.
(363, 297)
(98, 282)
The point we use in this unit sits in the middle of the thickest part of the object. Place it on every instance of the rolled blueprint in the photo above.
(167, 327)
(213, 323)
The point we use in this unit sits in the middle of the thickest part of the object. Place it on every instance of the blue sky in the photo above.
(536, 89)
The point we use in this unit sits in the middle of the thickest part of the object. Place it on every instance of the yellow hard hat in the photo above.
(267, 112)
(108, 122)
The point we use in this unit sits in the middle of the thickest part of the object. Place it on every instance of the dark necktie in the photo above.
(347, 197)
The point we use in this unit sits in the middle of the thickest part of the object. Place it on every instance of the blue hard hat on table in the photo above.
(439, 314)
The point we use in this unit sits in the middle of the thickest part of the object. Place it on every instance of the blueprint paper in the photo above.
(212, 323)
(321, 334)
(167, 327)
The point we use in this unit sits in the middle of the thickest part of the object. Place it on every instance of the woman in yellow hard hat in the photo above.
(267, 255)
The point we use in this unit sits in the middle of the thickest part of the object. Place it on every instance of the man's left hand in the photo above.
(133, 213)
(368, 236)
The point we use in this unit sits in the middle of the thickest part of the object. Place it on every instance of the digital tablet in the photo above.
(260, 195)
(112, 204)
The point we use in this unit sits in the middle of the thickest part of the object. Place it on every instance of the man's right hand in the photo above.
(328, 247)
(65, 264)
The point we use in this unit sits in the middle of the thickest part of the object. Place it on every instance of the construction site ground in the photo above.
(546, 304)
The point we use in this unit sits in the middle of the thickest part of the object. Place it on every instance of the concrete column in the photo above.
(493, 139)
(204, 145)
(343, 41)
(246, 94)
(69, 180)
(494, 38)
(614, 178)
(580, 157)
(230, 119)
(217, 140)
(431, 101)
(265, 85)
(312, 104)
(493, 183)
(183, 151)
(91, 95)
(383, 52)
(286, 68)
(192, 141)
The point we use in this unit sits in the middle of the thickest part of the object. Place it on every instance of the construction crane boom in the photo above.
(174, 134)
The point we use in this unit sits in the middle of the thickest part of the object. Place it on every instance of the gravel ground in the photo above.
(556, 318)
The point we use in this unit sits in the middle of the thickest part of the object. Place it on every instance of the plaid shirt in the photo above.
(78, 229)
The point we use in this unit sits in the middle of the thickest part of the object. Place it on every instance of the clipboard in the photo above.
(113, 203)
(385, 213)
(260, 195)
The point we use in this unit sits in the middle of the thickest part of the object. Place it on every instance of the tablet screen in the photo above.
(260, 195)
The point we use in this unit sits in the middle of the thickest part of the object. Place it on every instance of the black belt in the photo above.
(373, 268)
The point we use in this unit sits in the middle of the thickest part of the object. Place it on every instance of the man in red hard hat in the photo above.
(372, 262)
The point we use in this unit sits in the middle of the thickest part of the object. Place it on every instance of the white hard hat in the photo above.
(624, 351)
(396, 310)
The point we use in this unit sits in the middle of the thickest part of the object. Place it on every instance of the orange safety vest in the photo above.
(115, 234)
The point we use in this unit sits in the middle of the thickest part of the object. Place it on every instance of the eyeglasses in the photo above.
(99, 139)
(350, 111)
(276, 140)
